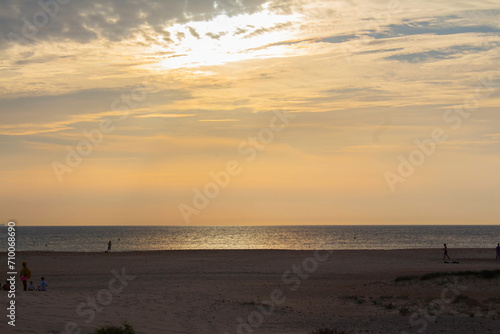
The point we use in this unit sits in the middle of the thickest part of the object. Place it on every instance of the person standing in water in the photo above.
(445, 249)
(25, 275)
(109, 246)
(498, 251)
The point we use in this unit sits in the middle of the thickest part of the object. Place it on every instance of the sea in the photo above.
(148, 238)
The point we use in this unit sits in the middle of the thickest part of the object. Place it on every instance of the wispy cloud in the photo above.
(165, 115)
(219, 120)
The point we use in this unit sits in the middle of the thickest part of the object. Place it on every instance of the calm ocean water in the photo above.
(140, 238)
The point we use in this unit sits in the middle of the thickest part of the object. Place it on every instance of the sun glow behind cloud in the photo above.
(226, 39)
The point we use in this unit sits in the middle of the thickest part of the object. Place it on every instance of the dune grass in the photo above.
(484, 274)
(328, 331)
(111, 329)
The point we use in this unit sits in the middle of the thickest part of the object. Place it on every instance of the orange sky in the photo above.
(309, 112)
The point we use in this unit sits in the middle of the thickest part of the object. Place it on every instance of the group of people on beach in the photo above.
(25, 275)
(445, 255)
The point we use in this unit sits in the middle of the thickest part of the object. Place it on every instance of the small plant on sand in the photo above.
(110, 329)
(253, 302)
(466, 300)
(356, 299)
(493, 300)
(328, 331)
(484, 274)
(404, 310)
(390, 306)
(404, 278)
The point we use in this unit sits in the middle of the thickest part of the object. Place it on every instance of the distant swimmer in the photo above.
(445, 249)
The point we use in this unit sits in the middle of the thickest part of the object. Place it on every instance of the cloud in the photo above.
(445, 25)
(215, 36)
(219, 120)
(283, 43)
(444, 53)
(164, 115)
(115, 20)
(277, 27)
(62, 110)
(194, 33)
(493, 136)
(30, 59)
(239, 31)
(338, 39)
(180, 35)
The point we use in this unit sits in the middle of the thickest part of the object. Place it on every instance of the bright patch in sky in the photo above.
(227, 39)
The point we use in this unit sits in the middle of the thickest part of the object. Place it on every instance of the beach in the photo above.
(259, 291)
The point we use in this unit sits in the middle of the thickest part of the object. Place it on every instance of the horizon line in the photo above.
(253, 225)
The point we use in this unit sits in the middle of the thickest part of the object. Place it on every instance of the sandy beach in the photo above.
(252, 291)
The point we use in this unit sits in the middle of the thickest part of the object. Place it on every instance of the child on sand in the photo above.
(42, 286)
(31, 287)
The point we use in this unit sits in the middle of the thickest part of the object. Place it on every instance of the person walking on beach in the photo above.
(109, 246)
(498, 251)
(445, 249)
(25, 275)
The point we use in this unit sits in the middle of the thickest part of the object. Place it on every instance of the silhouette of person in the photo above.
(109, 246)
(498, 251)
(25, 275)
(445, 252)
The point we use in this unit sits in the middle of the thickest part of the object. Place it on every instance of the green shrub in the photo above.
(328, 331)
(466, 300)
(110, 329)
(390, 306)
(485, 274)
(405, 278)
(404, 310)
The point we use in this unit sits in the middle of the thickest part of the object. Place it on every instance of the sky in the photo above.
(242, 112)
